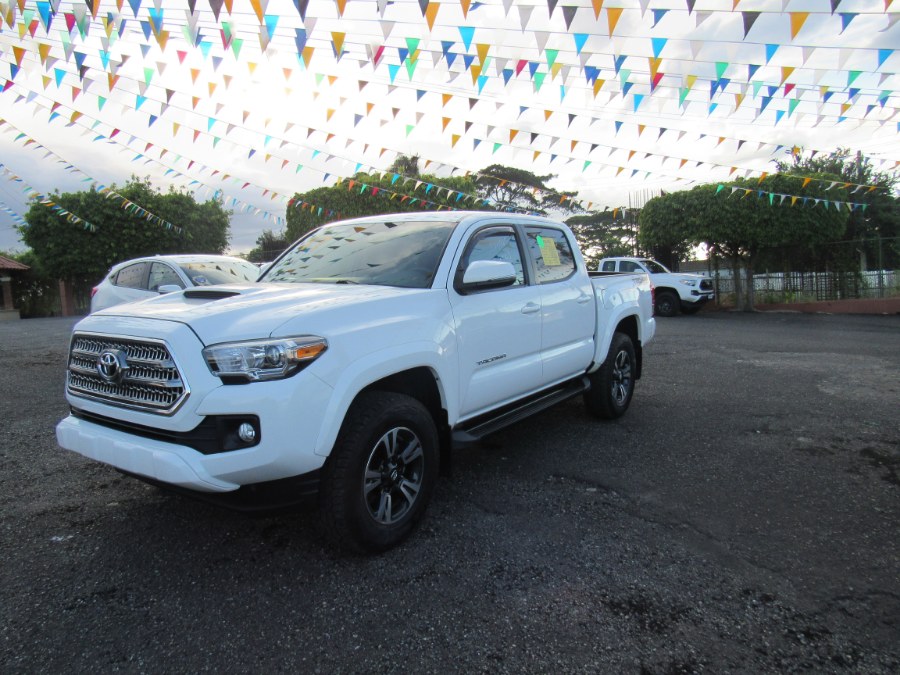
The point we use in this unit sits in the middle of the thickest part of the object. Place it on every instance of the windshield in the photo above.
(403, 254)
(212, 272)
(654, 267)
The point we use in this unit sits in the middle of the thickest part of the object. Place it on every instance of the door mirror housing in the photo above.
(482, 275)
(169, 288)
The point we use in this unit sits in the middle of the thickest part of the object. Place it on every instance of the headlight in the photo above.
(260, 360)
(688, 282)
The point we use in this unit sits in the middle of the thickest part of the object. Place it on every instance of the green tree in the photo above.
(602, 234)
(741, 219)
(268, 247)
(406, 165)
(74, 253)
(664, 232)
(875, 230)
(373, 194)
(511, 189)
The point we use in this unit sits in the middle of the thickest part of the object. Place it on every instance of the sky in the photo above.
(251, 101)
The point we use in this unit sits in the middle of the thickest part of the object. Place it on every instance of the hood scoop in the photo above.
(209, 293)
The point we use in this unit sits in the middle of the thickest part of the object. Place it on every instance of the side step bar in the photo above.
(475, 429)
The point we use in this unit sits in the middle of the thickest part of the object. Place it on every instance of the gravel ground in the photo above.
(743, 517)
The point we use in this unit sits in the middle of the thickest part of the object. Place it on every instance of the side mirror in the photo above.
(482, 275)
(169, 288)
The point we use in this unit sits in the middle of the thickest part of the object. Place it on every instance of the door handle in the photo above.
(531, 308)
(583, 298)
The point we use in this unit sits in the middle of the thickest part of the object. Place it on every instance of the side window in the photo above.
(551, 253)
(496, 243)
(628, 266)
(609, 266)
(163, 275)
(132, 276)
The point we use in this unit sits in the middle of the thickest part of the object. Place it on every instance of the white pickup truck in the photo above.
(352, 367)
(674, 290)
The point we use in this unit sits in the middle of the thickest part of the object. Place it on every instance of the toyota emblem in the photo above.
(112, 365)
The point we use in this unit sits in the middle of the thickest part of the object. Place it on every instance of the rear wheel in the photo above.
(612, 385)
(379, 478)
(667, 303)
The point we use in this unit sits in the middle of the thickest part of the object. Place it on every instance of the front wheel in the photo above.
(612, 385)
(667, 303)
(379, 478)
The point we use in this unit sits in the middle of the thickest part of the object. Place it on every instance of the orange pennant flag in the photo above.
(454, 138)
(482, 50)
(446, 99)
(195, 73)
(341, 4)
(786, 72)
(431, 13)
(598, 85)
(464, 4)
(572, 145)
(445, 121)
(338, 39)
(257, 8)
(797, 21)
(512, 134)
(44, 51)
(547, 114)
(328, 113)
(612, 17)
(598, 5)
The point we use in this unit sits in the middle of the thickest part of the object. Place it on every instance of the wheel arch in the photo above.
(420, 383)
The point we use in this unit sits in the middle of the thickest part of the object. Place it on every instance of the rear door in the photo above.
(568, 306)
(130, 284)
(498, 331)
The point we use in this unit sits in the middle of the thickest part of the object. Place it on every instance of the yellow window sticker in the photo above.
(549, 252)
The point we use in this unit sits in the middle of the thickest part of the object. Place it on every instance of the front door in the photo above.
(499, 330)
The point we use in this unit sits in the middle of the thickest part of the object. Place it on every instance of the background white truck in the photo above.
(674, 290)
(348, 372)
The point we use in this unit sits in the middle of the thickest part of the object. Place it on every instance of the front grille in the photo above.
(706, 284)
(151, 382)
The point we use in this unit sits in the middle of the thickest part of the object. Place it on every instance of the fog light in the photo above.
(247, 432)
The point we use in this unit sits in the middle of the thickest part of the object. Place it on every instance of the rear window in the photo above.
(132, 276)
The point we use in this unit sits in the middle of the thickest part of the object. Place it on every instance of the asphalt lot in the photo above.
(743, 517)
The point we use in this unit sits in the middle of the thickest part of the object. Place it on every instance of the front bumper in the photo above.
(165, 448)
(700, 297)
(164, 462)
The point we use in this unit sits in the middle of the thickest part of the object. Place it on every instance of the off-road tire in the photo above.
(378, 480)
(612, 385)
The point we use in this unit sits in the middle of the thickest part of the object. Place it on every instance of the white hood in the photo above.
(250, 311)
